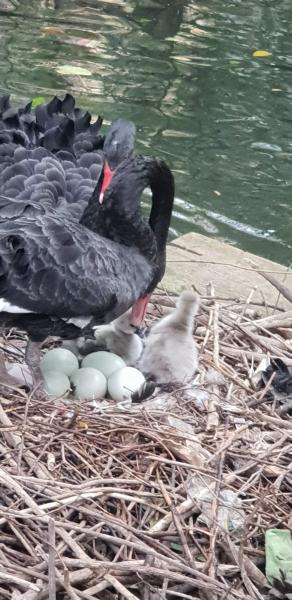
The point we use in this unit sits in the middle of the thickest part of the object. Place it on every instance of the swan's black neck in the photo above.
(120, 216)
(162, 186)
(91, 217)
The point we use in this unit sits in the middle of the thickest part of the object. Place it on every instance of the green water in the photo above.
(184, 72)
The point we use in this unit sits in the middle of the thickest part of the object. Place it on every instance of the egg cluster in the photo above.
(99, 374)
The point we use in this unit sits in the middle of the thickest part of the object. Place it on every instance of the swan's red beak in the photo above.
(139, 311)
(107, 177)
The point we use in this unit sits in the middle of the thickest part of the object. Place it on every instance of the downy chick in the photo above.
(170, 354)
(119, 337)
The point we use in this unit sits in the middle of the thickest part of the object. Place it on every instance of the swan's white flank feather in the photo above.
(6, 306)
(79, 321)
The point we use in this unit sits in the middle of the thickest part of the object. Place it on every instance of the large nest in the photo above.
(170, 499)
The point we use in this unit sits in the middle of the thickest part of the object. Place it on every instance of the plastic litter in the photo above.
(278, 554)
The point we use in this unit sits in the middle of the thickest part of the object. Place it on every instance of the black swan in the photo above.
(54, 152)
(75, 250)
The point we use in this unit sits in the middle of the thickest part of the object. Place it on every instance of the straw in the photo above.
(100, 504)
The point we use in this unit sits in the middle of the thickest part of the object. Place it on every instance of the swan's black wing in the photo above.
(64, 270)
(57, 126)
(39, 176)
(51, 153)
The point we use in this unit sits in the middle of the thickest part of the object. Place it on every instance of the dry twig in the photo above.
(114, 514)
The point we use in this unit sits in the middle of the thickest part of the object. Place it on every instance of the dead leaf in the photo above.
(52, 30)
(261, 54)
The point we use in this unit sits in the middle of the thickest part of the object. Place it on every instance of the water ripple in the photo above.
(184, 72)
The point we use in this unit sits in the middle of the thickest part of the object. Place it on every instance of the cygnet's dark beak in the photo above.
(140, 331)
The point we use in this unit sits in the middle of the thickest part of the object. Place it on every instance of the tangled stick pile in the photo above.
(168, 500)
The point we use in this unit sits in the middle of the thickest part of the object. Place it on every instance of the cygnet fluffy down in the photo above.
(119, 337)
(170, 354)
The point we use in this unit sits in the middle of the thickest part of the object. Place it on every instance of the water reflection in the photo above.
(160, 19)
(183, 70)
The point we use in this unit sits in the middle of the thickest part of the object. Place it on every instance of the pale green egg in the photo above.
(106, 362)
(89, 383)
(59, 359)
(123, 383)
(56, 384)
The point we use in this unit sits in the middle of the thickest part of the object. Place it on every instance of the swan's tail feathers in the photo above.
(57, 125)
